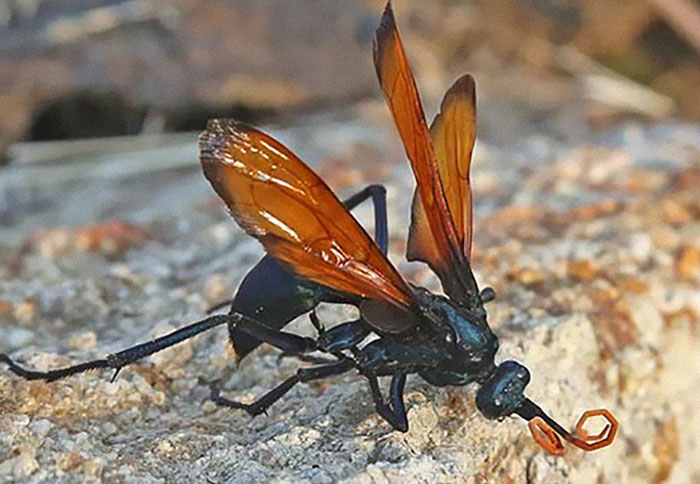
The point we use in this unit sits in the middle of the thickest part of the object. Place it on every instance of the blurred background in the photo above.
(133, 74)
(95, 68)
(586, 181)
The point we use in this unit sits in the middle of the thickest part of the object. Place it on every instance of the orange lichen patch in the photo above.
(643, 182)
(581, 270)
(529, 233)
(598, 375)
(502, 221)
(8, 402)
(666, 449)
(665, 237)
(606, 296)
(6, 307)
(630, 284)
(557, 221)
(155, 378)
(613, 327)
(455, 404)
(687, 263)
(535, 223)
(685, 316)
(674, 212)
(322, 385)
(526, 276)
(688, 179)
(69, 461)
(516, 214)
(596, 210)
(110, 238)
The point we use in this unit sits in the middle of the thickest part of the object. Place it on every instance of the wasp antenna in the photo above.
(546, 431)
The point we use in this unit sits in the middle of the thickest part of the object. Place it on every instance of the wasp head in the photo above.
(502, 393)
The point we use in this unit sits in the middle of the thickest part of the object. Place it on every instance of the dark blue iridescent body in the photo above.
(460, 351)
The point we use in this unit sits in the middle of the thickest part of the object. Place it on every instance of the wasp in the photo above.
(317, 252)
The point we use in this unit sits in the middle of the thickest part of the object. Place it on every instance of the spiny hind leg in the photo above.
(288, 342)
(302, 375)
(125, 357)
(341, 337)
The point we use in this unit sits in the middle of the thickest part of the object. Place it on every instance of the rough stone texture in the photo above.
(593, 249)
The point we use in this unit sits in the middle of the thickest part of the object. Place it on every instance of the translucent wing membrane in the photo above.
(452, 133)
(438, 238)
(280, 201)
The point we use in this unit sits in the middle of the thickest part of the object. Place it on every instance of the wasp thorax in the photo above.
(502, 393)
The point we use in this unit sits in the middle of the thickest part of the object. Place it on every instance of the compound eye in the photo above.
(487, 294)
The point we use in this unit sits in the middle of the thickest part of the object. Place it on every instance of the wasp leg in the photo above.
(118, 360)
(289, 343)
(317, 324)
(344, 336)
(381, 224)
(316, 360)
(395, 413)
(302, 375)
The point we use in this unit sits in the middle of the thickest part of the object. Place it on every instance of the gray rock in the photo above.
(593, 296)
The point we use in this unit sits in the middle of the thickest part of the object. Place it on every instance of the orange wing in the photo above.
(453, 133)
(444, 250)
(280, 201)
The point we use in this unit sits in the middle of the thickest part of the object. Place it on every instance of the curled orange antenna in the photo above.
(545, 436)
(547, 432)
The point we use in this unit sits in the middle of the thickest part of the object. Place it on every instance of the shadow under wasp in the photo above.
(317, 252)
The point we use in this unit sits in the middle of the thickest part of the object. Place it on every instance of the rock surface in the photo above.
(90, 68)
(593, 248)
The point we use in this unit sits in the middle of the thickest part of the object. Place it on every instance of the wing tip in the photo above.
(388, 15)
(219, 133)
(210, 142)
(465, 85)
(383, 34)
(218, 127)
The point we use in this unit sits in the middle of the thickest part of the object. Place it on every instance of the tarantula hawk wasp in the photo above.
(317, 252)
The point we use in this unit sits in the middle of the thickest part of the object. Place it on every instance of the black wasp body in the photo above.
(459, 350)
